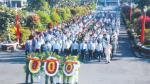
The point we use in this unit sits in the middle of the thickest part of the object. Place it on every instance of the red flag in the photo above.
(143, 29)
(130, 13)
(17, 28)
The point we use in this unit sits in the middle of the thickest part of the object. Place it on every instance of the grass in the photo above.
(147, 33)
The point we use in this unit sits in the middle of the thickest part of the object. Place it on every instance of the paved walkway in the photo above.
(125, 68)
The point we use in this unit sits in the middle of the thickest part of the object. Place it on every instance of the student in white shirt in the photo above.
(56, 47)
(91, 49)
(99, 50)
(37, 45)
(107, 51)
(74, 48)
(83, 48)
(67, 46)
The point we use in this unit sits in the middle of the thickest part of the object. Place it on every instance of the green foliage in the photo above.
(55, 17)
(148, 11)
(65, 13)
(136, 14)
(33, 22)
(38, 14)
(142, 3)
(6, 20)
(44, 17)
(25, 34)
(38, 5)
(147, 33)
(92, 6)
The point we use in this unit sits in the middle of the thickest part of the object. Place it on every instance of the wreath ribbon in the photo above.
(37, 59)
(71, 62)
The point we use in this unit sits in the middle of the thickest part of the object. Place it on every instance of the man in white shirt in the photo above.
(38, 45)
(56, 47)
(48, 46)
(74, 48)
(83, 50)
(99, 50)
(114, 43)
(107, 51)
(67, 46)
(91, 49)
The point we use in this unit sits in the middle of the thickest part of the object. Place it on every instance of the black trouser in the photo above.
(56, 51)
(75, 52)
(66, 52)
(83, 53)
(27, 52)
(47, 78)
(91, 54)
(28, 73)
(37, 50)
(99, 54)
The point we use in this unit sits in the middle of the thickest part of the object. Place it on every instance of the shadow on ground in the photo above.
(13, 58)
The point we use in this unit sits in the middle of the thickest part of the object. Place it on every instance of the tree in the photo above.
(38, 5)
(6, 20)
(142, 3)
(45, 18)
(33, 21)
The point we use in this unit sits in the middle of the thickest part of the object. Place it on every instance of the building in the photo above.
(108, 5)
(14, 3)
(109, 2)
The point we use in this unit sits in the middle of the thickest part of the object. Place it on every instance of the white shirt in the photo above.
(48, 37)
(56, 46)
(74, 46)
(91, 46)
(67, 44)
(108, 37)
(48, 46)
(83, 46)
(38, 45)
(99, 47)
(108, 48)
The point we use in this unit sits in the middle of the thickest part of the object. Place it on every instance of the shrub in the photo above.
(44, 17)
(55, 17)
(25, 32)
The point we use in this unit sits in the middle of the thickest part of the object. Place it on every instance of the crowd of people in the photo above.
(90, 37)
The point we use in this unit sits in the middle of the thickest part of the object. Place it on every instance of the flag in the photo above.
(143, 29)
(130, 13)
(17, 27)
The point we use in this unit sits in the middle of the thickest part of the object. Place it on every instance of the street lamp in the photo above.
(143, 25)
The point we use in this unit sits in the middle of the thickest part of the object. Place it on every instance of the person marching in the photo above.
(114, 43)
(107, 51)
(99, 50)
(27, 52)
(38, 45)
(83, 50)
(67, 46)
(56, 47)
(91, 50)
(74, 48)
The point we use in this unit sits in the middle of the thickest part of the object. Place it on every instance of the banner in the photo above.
(34, 65)
(51, 66)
